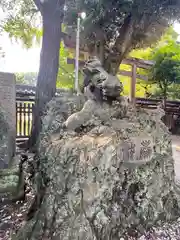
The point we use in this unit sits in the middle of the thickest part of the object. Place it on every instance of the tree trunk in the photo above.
(121, 47)
(49, 65)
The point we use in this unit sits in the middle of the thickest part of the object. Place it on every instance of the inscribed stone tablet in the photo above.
(8, 106)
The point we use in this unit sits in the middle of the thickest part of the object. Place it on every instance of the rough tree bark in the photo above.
(52, 17)
(111, 57)
(121, 47)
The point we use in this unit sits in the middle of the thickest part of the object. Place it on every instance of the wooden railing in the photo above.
(25, 98)
(171, 106)
(23, 119)
(24, 113)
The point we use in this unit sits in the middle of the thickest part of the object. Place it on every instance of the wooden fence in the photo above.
(23, 118)
(25, 103)
(25, 96)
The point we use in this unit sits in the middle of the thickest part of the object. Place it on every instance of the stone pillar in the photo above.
(8, 107)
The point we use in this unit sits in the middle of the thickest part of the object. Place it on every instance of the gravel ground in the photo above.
(12, 216)
(166, 232)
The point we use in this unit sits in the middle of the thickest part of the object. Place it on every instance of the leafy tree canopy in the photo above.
(173, 92)
(66, 74)
(167, 63)
(169, 38)
(166, 71)
(22, 21)
(65, 77)
(113, 28)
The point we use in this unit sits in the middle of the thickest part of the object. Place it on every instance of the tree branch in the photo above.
(122, 44)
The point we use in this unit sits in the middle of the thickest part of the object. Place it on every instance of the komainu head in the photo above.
(99, 84)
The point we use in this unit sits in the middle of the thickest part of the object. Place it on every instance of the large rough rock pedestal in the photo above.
(106, 176)
(111, 177)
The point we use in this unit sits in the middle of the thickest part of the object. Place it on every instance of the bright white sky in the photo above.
(19, 59)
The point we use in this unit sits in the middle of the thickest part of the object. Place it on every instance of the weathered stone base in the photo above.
(112, 176)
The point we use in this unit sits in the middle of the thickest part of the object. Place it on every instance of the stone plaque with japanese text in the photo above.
(8, 107)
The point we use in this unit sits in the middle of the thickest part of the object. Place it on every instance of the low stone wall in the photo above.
(8, 107)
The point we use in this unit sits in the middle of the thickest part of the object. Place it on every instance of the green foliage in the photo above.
(166, 69)
(105, 20)
(144, 54)
(65, 77)
(147, 88)
(21, 29)
(166, 45)
(165, 74)
(20, 78)
(170, 35)
(173, 92)
(28, 78)
(66, 74)
(22, 21)
(123, 25)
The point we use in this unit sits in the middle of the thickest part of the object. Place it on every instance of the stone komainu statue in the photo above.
(99, 87)
(98, 84)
